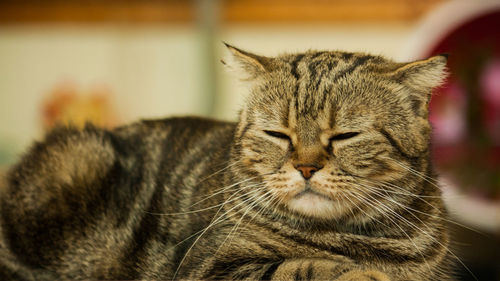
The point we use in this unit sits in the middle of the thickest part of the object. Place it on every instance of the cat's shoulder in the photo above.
(181, 123)
(90, 150)
(177, 128)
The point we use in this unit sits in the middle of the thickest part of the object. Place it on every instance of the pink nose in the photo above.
(307, 171)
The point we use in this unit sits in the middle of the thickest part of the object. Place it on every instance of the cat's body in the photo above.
(291, 191)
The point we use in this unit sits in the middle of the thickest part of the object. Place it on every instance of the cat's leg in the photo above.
(255, 259)
(292, 269)
(323, 269)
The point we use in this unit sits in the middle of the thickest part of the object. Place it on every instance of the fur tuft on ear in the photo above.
(423, 75)
(251, 65)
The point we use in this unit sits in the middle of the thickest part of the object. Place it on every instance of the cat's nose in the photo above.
(307, 170)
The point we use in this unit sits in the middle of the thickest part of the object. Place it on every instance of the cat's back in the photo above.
(76, 202)
(74, 157)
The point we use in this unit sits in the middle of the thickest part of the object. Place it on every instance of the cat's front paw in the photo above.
(364, 275)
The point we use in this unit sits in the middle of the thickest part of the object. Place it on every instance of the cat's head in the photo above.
(328, 132)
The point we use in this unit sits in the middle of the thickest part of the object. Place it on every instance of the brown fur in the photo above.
(326, 175)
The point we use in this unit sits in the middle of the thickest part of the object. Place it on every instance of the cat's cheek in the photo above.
(359, 162)
(348, 163)
(274, 162)
(269, 157)
(375, 170)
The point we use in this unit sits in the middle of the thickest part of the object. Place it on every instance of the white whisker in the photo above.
(427, 178)
(248, 208)
(402, 218)
(223, 189)
(211, 224)
(433, 216)
(381, 205)
(219, 171)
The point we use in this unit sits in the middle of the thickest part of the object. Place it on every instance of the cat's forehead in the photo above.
(330, 59)
(322, 86)
(315, 78)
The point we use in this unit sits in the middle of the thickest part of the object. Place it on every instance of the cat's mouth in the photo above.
(312, 202)
(309, 192)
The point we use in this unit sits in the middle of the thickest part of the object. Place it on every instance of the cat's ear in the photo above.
(411, 132)
(251, 65)
(422, 75)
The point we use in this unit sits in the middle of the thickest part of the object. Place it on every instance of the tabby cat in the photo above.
(326, 176)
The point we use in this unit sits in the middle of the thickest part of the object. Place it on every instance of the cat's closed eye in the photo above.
(343, 136)
(278, 135)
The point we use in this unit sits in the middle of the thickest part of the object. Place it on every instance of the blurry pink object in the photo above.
(490, 85)
(447, 118)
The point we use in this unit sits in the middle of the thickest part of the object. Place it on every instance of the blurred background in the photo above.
(116, 61)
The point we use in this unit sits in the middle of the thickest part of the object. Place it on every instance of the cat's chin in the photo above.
(314, 204)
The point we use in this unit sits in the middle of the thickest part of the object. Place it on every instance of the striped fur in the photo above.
(327, 175)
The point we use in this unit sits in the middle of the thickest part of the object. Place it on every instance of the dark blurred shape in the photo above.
(466, 111)
(465, 114)
(480, 253)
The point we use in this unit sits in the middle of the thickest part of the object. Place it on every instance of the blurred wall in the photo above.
(150, 71)
(161, 58)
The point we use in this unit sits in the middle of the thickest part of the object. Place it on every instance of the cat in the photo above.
(325, 176)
